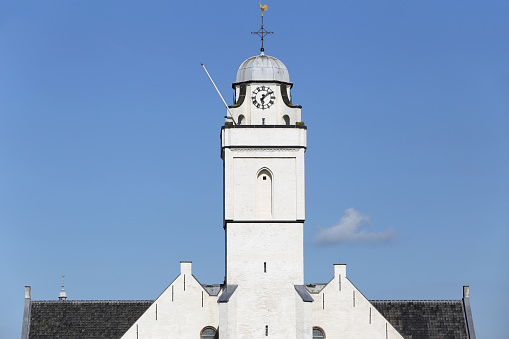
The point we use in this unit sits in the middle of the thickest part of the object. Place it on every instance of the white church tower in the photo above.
(264, 210)
(263, 296)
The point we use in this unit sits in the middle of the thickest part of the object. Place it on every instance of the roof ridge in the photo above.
(416, 300)
(93, 301)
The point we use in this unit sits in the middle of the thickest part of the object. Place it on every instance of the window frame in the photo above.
(209, 328)
(321, 330)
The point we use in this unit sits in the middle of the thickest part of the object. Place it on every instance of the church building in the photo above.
(264, 295)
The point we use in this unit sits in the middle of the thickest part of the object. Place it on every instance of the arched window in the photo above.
(264, 195)
(286, 119)
(318, 333)
(241, 119)
(208, 332)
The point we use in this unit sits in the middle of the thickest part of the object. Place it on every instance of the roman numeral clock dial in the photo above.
(263, 97)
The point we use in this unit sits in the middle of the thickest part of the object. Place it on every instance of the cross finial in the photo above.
(262, 32)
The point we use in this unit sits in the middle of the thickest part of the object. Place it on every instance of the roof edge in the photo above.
(415, 301)
(25, 329)
(91, 301)
(469, 321)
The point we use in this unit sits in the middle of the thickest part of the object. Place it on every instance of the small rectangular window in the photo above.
(265, 267)
(263, 121)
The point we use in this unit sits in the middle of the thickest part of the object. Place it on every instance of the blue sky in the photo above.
(110, 169)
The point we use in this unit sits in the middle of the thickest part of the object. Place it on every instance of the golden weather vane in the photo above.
(263, 8)
(262, 32)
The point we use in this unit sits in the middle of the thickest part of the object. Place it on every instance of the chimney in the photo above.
(466, 291)
(339, 269)
(185, 267)
(28, 292)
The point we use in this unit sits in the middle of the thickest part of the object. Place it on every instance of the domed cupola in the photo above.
(262, 68)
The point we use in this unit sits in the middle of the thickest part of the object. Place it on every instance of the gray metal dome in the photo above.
(262, 67)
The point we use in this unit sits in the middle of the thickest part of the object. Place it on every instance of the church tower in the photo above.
(264, 211)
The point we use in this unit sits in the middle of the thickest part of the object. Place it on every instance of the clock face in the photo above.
(263, 97)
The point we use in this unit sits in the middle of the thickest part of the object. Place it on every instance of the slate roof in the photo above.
(316, 288)
(212, 289)
(95, 319)
(84, 319)
(425, 319)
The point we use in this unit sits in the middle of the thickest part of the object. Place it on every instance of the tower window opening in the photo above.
(208, 333)
(265, 267)
(318, 333)
(264, 195)
(263, 121)
(286, 120)
(266, 330)
(241, 119)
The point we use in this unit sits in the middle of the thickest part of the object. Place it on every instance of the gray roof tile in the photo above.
(84, 319)
(425, 319)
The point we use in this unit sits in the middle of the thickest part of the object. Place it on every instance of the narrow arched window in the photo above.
(208, 332)
(241, 119)
(286, 119)
(318, 333)
(264, 195)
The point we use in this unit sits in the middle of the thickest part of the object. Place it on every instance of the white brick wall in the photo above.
(241, 169)
(335, 312)
(180, 313)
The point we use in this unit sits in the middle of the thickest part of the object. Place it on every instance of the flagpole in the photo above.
(224, 102)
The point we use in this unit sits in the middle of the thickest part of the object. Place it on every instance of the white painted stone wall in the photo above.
(265, 295)
(241, 169)
(263, 136)
(228, 318)
(336, 312)
(250, 245)
(180, 312)
(264, 251)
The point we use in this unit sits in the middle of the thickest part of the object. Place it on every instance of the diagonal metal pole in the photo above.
(224, 102)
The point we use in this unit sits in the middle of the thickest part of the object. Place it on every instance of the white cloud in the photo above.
(348, 229)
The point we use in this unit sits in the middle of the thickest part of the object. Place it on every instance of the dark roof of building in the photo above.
(95, 319)
(425, 319)
(85, 319)
(212, 289)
